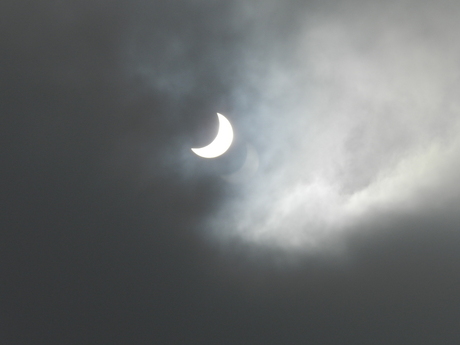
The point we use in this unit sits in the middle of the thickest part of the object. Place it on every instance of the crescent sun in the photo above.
(221, 143)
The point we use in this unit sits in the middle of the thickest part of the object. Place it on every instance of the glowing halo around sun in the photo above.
(221, 143)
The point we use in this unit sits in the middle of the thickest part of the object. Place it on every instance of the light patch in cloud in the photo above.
(353, 116)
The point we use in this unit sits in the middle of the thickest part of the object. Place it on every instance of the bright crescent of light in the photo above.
(221, 143)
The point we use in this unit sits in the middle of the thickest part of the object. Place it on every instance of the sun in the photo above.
(221, 143)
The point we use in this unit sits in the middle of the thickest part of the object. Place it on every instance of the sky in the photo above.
(114, 232)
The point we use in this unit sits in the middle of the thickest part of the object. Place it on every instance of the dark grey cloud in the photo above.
(113, 231)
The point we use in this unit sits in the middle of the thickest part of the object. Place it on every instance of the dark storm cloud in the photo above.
(114, 232)
(84, 177)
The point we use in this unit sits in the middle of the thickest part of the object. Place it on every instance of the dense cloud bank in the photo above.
(355, 115)
(114, 232)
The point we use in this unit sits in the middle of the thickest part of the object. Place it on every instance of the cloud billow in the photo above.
(354, 116)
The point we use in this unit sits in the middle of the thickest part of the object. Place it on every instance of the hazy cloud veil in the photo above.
(114, 232)
(354, 112)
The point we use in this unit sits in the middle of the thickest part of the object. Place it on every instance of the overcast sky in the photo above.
(114, 232)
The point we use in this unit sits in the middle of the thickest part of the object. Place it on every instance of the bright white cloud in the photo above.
(353, 115)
